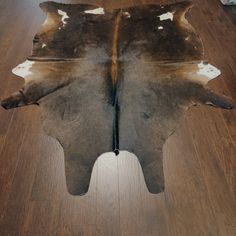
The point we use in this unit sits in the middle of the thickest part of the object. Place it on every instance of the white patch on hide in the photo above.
(97, 11)
(208, 70)
(160, 27)
(127, 14)
(210, 103)
(23, 70)
(167, 16)
(64, 16)
(44, 45)
(228, 2)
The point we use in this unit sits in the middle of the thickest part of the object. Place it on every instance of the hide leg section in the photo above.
(31, 93)
(216, 100)
(28, 95)
(78, 175)
(154, 176)
(17, 99)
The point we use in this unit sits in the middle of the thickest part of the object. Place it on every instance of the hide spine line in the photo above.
(114, 80)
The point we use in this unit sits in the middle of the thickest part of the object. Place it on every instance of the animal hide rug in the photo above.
(114, 80)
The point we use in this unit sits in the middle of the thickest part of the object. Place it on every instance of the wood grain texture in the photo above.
(200, 158)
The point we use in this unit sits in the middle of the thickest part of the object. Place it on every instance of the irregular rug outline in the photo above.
(115, 80)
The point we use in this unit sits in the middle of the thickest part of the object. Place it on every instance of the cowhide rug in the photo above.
(109, 81)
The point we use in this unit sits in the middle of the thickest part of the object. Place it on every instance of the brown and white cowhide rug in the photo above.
(109, 81)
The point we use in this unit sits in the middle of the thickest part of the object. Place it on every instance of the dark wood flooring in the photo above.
(199, 159)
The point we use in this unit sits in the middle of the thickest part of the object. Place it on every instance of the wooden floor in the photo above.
(199, 159)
